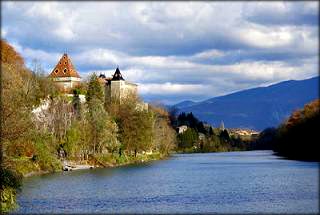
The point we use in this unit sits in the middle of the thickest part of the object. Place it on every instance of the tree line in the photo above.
(296, 137)
(201, 137)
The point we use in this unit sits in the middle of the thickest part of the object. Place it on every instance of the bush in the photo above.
(10, 181)
(45, 154)
(10, 178)
(8, 199)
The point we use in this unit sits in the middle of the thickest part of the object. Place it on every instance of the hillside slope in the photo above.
(256, 108)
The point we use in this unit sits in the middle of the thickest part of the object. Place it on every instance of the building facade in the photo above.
(117, 89)
(65, 75)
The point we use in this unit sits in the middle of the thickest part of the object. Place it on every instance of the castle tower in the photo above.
(64, 74)
(117, 88)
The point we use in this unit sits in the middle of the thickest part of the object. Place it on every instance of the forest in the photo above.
(201, 137)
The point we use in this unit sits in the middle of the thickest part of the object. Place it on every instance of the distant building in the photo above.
(202, 136)
(117, 89)
(243, 132)
(222, 126)
(182, 129)
(103, 79)
(64, 74)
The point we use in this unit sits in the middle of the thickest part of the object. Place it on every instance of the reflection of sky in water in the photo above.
(235, 182)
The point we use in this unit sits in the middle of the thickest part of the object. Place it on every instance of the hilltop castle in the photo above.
(116, 88)
(65, 75)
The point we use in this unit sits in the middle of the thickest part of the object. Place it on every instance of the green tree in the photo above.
(95, 90)
(76, 103)
(135, 126)
(103, 128)
(188, 138)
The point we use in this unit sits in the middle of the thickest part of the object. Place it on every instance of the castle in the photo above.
(115, 87)
(64, 74)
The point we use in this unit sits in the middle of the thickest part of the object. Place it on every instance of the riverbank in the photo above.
(27, 167)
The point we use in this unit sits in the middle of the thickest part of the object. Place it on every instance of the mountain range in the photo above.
(256, 108)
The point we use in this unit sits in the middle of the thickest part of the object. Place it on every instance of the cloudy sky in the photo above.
(174, 50)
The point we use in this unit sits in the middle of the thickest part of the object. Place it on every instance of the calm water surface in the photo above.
(234, 182)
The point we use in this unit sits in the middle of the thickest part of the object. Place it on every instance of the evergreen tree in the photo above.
(76, 103)
(95, 90)
(188, 138)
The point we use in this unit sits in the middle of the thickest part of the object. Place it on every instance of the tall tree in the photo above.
(95, 90)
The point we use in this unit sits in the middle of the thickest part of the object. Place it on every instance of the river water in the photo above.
(232, 182)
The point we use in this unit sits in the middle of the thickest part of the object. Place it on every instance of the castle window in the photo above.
(65, 70)
(56, 71)
(65, 63)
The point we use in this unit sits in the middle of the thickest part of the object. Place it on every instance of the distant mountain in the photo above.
(185, 104)
(256, 108)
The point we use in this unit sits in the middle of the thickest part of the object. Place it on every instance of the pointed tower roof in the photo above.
(117, 75)
(64, 68)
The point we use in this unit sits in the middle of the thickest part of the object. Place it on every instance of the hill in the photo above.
(255, 108)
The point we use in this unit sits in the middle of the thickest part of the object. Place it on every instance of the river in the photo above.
(231, 182)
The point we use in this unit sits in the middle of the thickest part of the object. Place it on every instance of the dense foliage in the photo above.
(297, 137)
(21, 91)
(199, 137)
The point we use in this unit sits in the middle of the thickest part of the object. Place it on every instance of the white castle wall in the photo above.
(67, 82)
(121, 89)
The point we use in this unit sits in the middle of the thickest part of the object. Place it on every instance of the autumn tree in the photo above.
(164, 135)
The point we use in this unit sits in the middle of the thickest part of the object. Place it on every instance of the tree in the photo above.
(76, 103)
(19, 95)
(224, 135)
(96, 118)
(173, 112)
(188, 138)
(60, 118)
(135, 125)
(297, 138)
(95, 90)
(164, 134)
(10, 56)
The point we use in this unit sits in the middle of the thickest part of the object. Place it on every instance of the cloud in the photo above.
(170, 88)
(283, 13)
(174, 50)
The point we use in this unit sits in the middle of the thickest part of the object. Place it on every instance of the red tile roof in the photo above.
(64, 68)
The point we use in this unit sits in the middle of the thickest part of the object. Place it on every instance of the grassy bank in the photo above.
(26, 166)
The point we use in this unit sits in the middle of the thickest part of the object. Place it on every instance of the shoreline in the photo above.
(75, 166)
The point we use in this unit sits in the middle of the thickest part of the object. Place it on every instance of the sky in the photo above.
(174, 51)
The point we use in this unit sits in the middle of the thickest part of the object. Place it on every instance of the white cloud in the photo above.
(209, 54)
(3, 32)
(170, 88)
